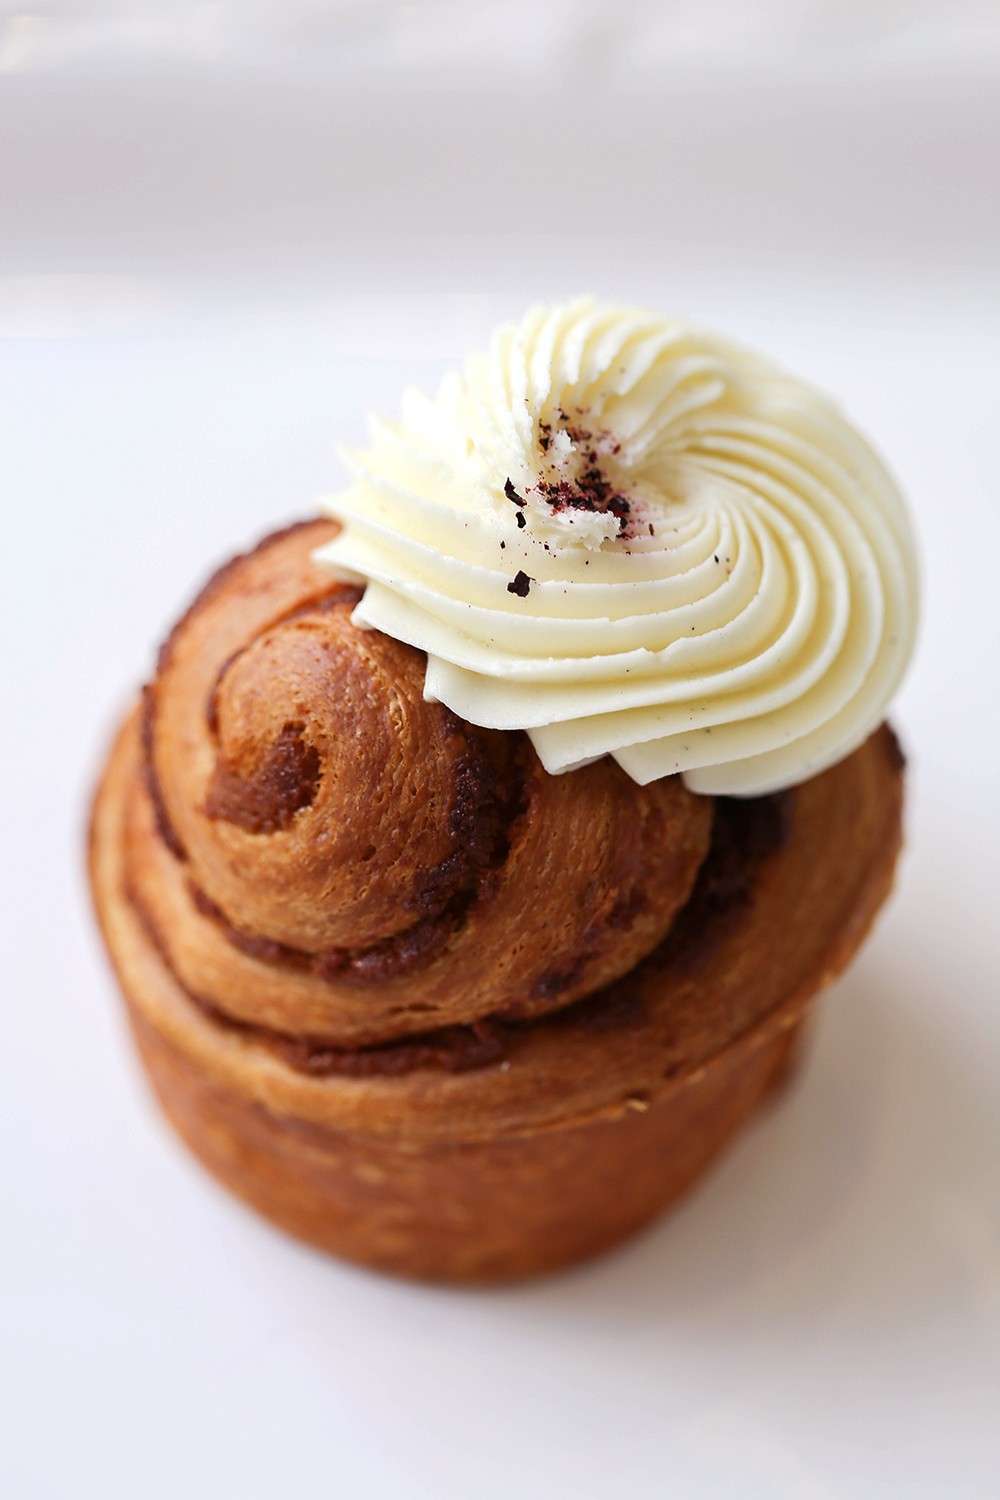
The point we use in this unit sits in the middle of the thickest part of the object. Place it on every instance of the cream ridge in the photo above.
(630, 537)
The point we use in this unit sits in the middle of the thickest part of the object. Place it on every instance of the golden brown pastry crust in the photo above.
(471, 1211)
(340, 856)
(595, 998)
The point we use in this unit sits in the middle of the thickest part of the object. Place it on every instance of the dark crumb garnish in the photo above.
(591, 490)
(512, 494)
(502, 545)
(519, 584)
(520, 519)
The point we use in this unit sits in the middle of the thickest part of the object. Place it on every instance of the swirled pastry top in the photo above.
(630, 537)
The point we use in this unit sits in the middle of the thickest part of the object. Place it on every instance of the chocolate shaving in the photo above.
(591, 490)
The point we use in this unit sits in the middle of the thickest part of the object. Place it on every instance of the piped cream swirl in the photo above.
(630, 537)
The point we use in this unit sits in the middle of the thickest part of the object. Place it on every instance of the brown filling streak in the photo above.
(745, 833)
(341, 593)
(488, 798)
(266, 800)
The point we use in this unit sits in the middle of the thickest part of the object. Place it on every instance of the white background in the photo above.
(227, 232)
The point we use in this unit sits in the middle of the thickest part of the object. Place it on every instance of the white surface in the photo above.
(206, 280)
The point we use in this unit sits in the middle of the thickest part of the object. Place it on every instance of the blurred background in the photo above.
(229, 230)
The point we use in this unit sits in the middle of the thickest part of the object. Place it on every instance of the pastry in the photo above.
(473, 858)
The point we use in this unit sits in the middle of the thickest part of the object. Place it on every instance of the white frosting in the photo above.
(745, 622)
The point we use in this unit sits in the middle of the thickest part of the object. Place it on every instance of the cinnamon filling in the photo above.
(620, 917)
(488, 798)
(263, 788)
(746, 831)
(338, 594)
(266, 798)
(489, 795)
